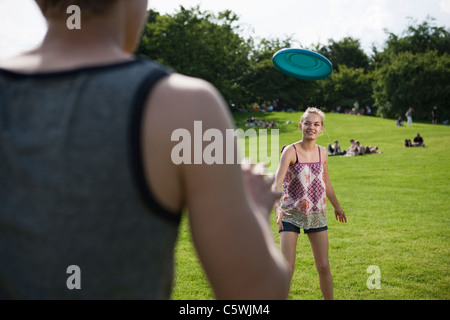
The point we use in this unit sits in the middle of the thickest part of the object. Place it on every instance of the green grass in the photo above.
(397, 209)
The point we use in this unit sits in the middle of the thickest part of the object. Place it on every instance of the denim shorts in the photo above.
(287, 226)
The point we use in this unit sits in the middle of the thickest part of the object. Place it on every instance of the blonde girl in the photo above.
(303, 173)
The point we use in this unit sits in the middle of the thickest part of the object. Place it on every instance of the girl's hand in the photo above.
(340, 215)
(280, 213)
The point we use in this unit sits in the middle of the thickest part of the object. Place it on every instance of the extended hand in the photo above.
(280, 213)
(340, 214)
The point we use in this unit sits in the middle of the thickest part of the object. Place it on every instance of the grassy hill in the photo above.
(397, 208)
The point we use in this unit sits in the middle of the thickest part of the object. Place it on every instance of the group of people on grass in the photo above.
(355, 149)
(252, 122)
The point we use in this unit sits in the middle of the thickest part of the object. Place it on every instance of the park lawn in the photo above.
(396, 206)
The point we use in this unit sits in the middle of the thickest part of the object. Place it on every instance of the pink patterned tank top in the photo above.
(304, 194)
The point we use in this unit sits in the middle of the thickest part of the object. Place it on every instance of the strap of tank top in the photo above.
(296, 155)
(320, 158)
(136, 153)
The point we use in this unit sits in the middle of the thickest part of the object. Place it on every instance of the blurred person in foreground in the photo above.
(87, 177)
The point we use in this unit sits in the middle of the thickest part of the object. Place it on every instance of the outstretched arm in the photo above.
(287, 158)
(228, 208)
(338, 211)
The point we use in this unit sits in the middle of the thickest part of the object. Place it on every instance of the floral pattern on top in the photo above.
(304, 195)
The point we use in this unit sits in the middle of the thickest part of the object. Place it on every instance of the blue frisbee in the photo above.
(302, 64)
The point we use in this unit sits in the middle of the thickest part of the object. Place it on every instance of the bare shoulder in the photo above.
(323, 154)
(322, 149)
(177, 101)
(180, 100)
(288, 150)
(179, 82)
(21, 63)
(288, 154)
(187, 91)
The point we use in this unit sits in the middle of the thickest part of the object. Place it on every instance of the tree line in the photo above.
(412, 70)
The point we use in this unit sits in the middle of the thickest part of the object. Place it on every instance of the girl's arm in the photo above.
(287, 158)
(338, 211)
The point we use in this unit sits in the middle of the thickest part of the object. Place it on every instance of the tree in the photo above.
(414, 71)
(345, 87)
(346, 52)
(420, 39)
(420, 81)
(200, 44)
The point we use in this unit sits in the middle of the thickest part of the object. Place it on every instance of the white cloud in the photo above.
(22, 26)
(309, 22)
(319, 20)
(445, 5)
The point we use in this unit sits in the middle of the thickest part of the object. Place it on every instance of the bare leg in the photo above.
(288, 244)
(319, 245)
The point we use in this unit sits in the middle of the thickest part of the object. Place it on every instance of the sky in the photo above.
(308, 22)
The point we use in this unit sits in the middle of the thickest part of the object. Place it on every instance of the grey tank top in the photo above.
(72, 187)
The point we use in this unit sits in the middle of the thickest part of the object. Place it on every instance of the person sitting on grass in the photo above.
(418, 141)
(371, 149)
(335, 149)
(352, 150)
(359, 150)
(374, 149)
